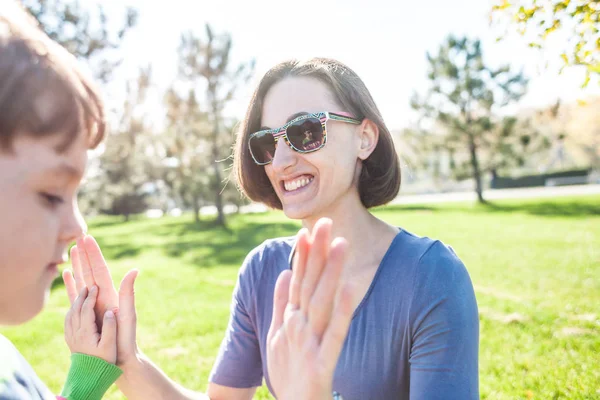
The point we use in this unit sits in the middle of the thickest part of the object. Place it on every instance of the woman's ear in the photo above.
(369, 135)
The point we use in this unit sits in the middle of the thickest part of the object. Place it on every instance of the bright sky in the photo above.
(384, 41)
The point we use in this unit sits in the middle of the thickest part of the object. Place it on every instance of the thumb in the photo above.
(127, 314)
(108, 340)
(280, 300)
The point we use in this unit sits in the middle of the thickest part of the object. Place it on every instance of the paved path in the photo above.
(492, 194)
(497, 194)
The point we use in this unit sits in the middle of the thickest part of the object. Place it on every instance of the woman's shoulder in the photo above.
(436, 272)
(272, 248)
(426, 256)
(272, 252)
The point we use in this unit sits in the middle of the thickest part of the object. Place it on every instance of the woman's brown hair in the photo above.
(380, 176)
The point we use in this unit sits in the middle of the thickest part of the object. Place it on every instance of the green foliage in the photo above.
(206, 62)
(534, 266)
(538, 19)
(187, 146)
(83, 33)
(126, 164)
(460, 112)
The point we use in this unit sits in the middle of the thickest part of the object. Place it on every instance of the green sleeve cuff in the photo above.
(89, 377)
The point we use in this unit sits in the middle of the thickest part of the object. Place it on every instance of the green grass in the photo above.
(535, 266)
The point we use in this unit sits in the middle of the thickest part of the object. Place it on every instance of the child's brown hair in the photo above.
(43, 90)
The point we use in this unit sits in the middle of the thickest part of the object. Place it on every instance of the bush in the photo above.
(500, 182)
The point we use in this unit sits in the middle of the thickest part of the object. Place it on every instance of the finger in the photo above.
(84, 262)
(99, 267)
(299, 267)
(76, 265)
(70, 285)
(337, 329)
(295, 324)
(88, 316)
(108, 340)
(126, 315)
(76, 308)
(323, 300)
(280, 300)
(317, 256)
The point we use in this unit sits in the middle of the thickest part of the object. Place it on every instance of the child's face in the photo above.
(39, 218)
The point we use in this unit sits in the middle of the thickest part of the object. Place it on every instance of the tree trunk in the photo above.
(215, 153)
(218, 195)
(476, 170)
(196, 207)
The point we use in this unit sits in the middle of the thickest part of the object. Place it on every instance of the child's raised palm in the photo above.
(90, 269)
(81, 332)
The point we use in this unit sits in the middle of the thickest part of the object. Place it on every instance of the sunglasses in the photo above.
(304, 134)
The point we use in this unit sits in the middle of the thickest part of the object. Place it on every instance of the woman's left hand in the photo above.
(309, 324)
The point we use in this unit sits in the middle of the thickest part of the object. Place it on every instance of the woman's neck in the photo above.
(368, 237)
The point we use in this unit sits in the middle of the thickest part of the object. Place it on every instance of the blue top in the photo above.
(415, 335)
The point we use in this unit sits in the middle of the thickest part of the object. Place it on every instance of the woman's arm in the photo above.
(142, 379)
(445, 329)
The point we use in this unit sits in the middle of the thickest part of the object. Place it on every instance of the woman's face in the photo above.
(310, 184)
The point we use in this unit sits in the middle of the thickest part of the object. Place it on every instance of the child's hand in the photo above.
(81, 331)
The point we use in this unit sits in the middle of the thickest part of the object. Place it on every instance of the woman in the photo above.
(414, 331)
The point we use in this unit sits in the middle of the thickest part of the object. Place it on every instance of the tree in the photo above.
(87, 37)
(207, 61)
(126, 161)
(538, 19)
(583, 131)
(187, 143)
(459, 113)
(576, 131)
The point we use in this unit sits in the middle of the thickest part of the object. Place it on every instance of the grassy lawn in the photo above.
(535, 266)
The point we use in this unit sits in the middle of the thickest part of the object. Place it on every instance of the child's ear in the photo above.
(369, 135)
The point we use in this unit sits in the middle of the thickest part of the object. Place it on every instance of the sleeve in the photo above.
(444, 329)
(89, 378)
(239, 363)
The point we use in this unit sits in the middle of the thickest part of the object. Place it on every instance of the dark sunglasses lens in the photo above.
(262, 147)
(306, 135)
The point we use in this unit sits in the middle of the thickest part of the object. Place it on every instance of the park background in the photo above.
(495, 112)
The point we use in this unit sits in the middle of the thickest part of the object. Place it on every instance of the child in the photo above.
(50, 115)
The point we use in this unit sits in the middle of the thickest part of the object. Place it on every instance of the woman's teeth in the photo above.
(297, 183)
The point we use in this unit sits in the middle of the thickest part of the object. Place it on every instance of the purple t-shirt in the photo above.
(415, 335)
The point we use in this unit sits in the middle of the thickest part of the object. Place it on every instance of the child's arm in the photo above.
(93, 353)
